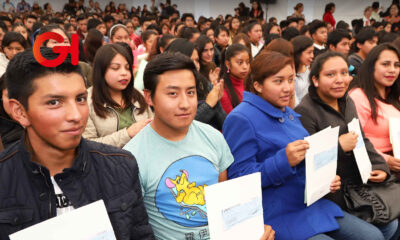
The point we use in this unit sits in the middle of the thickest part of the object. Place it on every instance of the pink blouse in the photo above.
(377, 133)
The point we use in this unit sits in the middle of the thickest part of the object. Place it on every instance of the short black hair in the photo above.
(166, 62)
(315, 25)
(289, 33)
(342, 24)
(188, 32)
(23, 69)
(3, 27)
(143, 20)
(10, 37)
(93, 23)
(365, 34)
(219, 29)
(81, 17)
(375, 5)
(186, 15)
(336, 36)
(108, 18)
(31, 16)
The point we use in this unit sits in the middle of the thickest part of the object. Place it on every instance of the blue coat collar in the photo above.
(266, 107)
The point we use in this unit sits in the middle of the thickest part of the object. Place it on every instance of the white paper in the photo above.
(234, 208)
(89, 222)
(394, 130)
(321, 163)
(360, 152)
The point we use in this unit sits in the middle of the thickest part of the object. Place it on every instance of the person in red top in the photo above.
(328, 15)
(236, 59)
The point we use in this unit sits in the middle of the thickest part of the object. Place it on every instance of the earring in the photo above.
(227, 70)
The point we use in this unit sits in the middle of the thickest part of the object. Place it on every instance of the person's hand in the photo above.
(213, 75)
(377, 176)
(394, 164)
(296, 151)
(215, 94)
(348, 141)
(137, 126)
(335, 185)
(269, 233)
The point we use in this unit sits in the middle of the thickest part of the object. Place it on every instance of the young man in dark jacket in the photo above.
(52, 170)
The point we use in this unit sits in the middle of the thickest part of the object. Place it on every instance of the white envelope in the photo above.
(234, 209)
(89, 222)
(394, 130)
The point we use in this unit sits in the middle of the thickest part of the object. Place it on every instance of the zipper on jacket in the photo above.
(115, 112)
(48, 186)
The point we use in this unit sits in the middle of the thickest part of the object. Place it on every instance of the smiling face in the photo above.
(307, 56)
(387, 69)
(333, 80)
(57, 111)
(208, 53)
(118, 74)
(277, 89)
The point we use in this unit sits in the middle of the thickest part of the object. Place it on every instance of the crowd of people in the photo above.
(162, 104)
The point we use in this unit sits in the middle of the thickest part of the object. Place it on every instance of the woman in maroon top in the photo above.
(328, 15)
(235, 68)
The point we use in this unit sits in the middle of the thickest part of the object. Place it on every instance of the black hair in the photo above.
(11, 37)
(365, 34)
(251, 25)
(300, 43)
(56, 21)
(49, 28)
(366, 81)
(144, 19)
(30, 16)
(283, 24)
(290, 33)
(388, 37)
(93, 23)
(315, 25)
(226, 55)
(5, 18)
(164, 40)
(164, 62)
(23, 69)
(94, 40)
(147, 34)
(219, 29)
(181, 45)
(375, 5)
(186, 15)
(188, 32)
(319, 62)
(336, 36)
(377, 24)
(154, 28)
(329, 6)
(270, 37)
(101, 95)
(342, 25)
(3, 27)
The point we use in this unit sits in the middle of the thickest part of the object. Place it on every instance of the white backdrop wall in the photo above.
(345, 9)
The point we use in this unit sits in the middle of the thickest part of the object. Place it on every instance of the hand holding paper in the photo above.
(296, 151)
(348, 141)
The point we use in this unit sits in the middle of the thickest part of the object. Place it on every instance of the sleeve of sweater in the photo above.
(204, 112)
(241, 137)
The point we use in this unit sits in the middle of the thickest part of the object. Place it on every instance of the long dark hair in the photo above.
(300, 44)
(101, 95)
(226, 55)
(366, 81)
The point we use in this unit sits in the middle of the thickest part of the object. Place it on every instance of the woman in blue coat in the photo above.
(265, 136)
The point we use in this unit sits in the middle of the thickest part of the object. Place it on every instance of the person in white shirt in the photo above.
(254, 31)
(367, 16)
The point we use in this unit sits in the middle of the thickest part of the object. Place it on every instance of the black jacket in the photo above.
(316, 116)
(99, 172)
(10, 131)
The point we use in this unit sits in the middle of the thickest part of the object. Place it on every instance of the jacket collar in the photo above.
(266, 107)
(342, 102)
(79, 166)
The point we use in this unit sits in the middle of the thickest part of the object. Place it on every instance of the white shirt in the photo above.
(63, 204)
(320, 47)
(301, 84)
(255, 49)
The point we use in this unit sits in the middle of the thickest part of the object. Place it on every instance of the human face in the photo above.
(239, 65)
(394, 10)
(343, 46)
(255, 34)
(121, 35)
(149, 43)
(194, 37)
(165, 29)
(57, 111)
(320, 36)
(235, 24)
(208, 53)
(174, 102)
(307, 56)
(195, 58)
(82, 25)
(210, 35)
(300, 25)
(277, 89)
(145, 25)
(368, 46)
(387, 69)
(222, 39)
(73, 22)
(21, 30)
(52, 43)
(368, 13)
(11, 50)
(388, 27)
(135, 22)
(118, 74)
(333, 80)
(29, 23)
(130, 28)
(189, 22)
(101, 28)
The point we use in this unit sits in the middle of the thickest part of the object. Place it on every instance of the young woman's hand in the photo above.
(137, 126)
(348, 141)
(215, 94)
(269, 233)
(213, 75)
(394, 164)
(335, 185)
(377, 176)
(296, 151)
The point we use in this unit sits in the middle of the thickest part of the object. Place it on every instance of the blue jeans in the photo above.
(354, 228)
